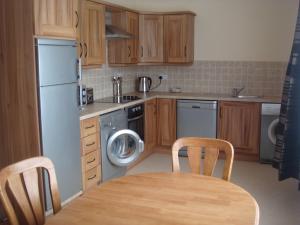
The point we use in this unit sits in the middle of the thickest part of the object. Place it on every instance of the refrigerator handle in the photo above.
(79, 69)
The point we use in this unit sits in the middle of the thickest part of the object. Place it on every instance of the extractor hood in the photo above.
(112, 31)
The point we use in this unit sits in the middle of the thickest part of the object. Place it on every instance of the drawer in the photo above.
(90, 143)
(89, 126)
(91, 160)
(92, 177)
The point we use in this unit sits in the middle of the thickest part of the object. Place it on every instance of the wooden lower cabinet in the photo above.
(150, 126)
(166, 122)
(90, 152)
(239, 123)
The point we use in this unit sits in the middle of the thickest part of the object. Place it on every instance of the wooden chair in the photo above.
(19, 187)
(211, 148)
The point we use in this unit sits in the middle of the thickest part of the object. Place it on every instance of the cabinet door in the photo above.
(57, 18)
(150, 125)
(239, 123)
(133, 28)
(92, 33)
(179, 38)
(124, 51)
(166, 122)
(151, 38)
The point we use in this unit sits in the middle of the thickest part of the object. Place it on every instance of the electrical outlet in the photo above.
(164, 76)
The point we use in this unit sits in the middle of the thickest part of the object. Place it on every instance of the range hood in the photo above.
(112, 31)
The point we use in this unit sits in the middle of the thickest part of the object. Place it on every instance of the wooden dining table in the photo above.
(161, 198)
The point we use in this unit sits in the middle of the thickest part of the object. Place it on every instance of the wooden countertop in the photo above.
(162, 198)
(97, 109)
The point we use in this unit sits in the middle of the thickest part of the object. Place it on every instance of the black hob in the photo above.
(119, 99)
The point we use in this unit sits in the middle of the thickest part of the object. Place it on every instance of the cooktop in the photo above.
(118, 99)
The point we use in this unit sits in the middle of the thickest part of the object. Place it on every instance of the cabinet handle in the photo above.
(81, 50)
(185, 51)
(86, 51)
(77, 19)
(88, 145)
(89, 127)
(91, 178)
(142, 51)
(220, 113)
(129, 51)
(88, 162)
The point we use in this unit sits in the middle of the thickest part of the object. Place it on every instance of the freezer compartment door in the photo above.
(57, 62)
(60, 132)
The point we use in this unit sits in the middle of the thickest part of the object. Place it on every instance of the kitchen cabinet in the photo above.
(90, 152)
(56, 18)
(150, 126)
(92, 35)
(151, 38)
(166, 122)
(239, 123)
(179, 38)
(124, 51)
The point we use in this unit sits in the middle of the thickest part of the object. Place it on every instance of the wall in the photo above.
(235, 30)
(237, 43)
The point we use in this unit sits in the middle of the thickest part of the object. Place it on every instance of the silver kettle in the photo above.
(144, 84)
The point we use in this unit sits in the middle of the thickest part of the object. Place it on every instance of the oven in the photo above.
(135, 115)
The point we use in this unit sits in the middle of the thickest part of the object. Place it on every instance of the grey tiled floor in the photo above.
(279, 202)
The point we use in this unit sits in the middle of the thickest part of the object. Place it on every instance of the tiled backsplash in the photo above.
(215, 77)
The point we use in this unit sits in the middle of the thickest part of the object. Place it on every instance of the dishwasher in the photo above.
(196, 119)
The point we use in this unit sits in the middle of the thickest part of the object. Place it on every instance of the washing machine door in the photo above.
(124, 147)
(272, 131)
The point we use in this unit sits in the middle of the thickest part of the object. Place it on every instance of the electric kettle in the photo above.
(144, 84)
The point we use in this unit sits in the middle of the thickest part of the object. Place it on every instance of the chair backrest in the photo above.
(19, 186)
(211, 149)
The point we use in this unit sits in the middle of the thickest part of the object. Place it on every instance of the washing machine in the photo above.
(269, 123)
(120, 146)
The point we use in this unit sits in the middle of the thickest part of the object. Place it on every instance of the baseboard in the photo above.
(50, 212)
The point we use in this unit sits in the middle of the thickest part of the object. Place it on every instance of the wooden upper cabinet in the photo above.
(124, 51)
(151, 38)
(179, 38)
(92, 35)
(239, 123)
(150, 125)
(166, 122)
(56, 18)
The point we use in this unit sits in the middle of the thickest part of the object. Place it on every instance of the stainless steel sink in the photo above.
(248, 96)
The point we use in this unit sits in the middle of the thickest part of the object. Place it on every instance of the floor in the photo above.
(279, 202)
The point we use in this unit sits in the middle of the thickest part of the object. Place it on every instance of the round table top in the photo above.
(162, 198)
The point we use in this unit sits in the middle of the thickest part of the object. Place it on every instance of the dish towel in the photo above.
(287, 150)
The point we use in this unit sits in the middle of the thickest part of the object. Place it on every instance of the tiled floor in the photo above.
(279, 202)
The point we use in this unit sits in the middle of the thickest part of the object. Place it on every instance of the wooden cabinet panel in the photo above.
(239, 123)
(58, 18)
(90, 143)
(150, 125)
(91, 177)
(124, 51)
(92, 45)
(91, 160)
(151, 38)
(179, 38)
(89, 126)
(166, 122)
(19, 133)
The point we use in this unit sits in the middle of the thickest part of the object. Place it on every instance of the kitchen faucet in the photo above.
(236, 91)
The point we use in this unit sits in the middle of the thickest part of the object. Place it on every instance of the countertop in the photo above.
(97, 109)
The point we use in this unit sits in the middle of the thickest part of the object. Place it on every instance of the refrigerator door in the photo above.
(57, 62)
(61, 137)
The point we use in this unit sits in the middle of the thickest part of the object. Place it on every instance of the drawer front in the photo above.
(91, 160)
(89, 126)
(90, 143)
(92, 177)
